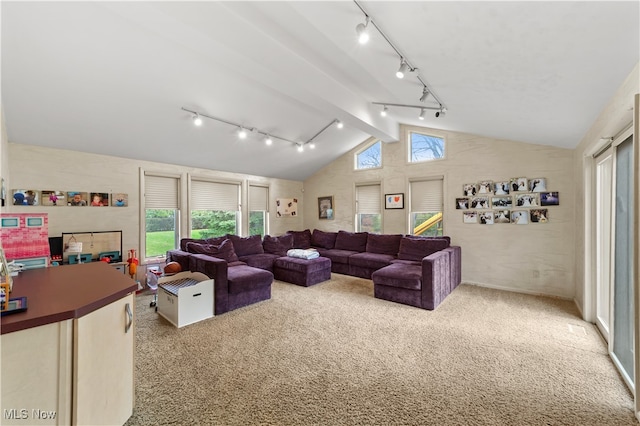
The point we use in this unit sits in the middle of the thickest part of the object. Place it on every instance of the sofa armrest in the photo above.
(455, 257)
(179, 256)
(436, 279)
(217, 269)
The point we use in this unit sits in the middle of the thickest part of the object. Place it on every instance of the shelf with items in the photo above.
(91, 246)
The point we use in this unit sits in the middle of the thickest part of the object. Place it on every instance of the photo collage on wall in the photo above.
(518, 201)
(54, 198)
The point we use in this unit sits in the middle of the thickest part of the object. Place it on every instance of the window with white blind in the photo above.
(161, 201)
(368, 211)
(258, 209)
(215, 208)
(426, 207)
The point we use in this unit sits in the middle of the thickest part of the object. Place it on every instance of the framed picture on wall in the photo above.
(325, 207)
(549, 199)
(394, 201)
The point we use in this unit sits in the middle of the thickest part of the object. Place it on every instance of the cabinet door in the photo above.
(103, 365)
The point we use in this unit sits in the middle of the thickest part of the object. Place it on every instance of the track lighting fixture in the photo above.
(363, 33)
(441, 113)
(421, 116)
(440, 110)
(403, 68)
(243, 131)
(425, 93)
(197, 120)
(384, 111)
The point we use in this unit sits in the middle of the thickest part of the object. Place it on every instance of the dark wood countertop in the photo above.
(64, 292)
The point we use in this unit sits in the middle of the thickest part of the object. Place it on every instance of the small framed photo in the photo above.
(480, 203)
(537, 185)
(527, 200)
(26, 197)
(77, 198)
(469, 189)
(549, 199)
(462, 203)
(519, 184)
(118, 199)
(325, 207)
(501, 202)
(519, 217)
(502, 216)
(394, 201)
(538, 216)
(486, 218)
(54, 198)
(99, 199)
(469, 216)
(501, 188)
(485, 187)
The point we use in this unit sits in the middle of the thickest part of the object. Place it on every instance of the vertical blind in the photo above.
(426, 195)
(258, 198)
(160, 192)
(368, 199)
(222, 196)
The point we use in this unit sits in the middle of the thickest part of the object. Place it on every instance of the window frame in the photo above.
(358, 214)
(411, 212)
(143, 174)
(409, 142)
(366, 147)
(238, 213)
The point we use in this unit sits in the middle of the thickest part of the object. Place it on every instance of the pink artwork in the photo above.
(24, 235)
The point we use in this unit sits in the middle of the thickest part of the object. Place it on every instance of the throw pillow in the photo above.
(223, 251)
(246, 246)
(185, 241)
(277, 245)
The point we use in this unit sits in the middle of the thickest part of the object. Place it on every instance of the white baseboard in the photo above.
(518, 290)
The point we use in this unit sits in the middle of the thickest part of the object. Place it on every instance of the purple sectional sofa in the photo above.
(413, 270)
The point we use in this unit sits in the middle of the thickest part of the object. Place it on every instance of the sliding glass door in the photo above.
(604, 200)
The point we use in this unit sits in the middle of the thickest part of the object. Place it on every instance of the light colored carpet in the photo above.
(332, 354)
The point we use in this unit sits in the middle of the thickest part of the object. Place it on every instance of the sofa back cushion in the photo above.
(418, 248)
(301, 239)
(216, 241)
(323, 239)
(277, 245)
(419, 237)
(223, 251)
(353, 241)
(384, 243)
(185, 241)
(245, 246)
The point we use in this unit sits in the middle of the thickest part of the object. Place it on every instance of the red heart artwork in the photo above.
(396, 199)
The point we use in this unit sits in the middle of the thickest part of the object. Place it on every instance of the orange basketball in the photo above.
(172, 268)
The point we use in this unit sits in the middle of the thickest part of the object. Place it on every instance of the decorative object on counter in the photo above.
(13, 306)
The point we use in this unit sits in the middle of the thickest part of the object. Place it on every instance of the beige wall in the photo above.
(4, 154)
(616, 116)
(534, 258)
(33, 167)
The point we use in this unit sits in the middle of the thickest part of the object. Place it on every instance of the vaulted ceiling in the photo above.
(113, 77)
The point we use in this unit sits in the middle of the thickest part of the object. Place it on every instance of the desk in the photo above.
(59, 356)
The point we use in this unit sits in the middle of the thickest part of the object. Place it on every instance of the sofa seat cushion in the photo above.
(399, 275)
(262, 261)
(337, 256)
(371, 260)
(246, 278)
(407, 262)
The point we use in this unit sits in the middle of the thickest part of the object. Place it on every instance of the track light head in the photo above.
(421, 116)
(403, 68)
(300, 148)
(363, 33)
(441, 113)
(312, 145)
(268, 140)
(339, 124)
(197, 120)
(425, 93)
(242, 133)
(383, 113)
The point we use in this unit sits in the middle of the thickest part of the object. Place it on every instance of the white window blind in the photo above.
(426, 195)
(160, 192)
(368, 199)
(220, 196)
(258, 198)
